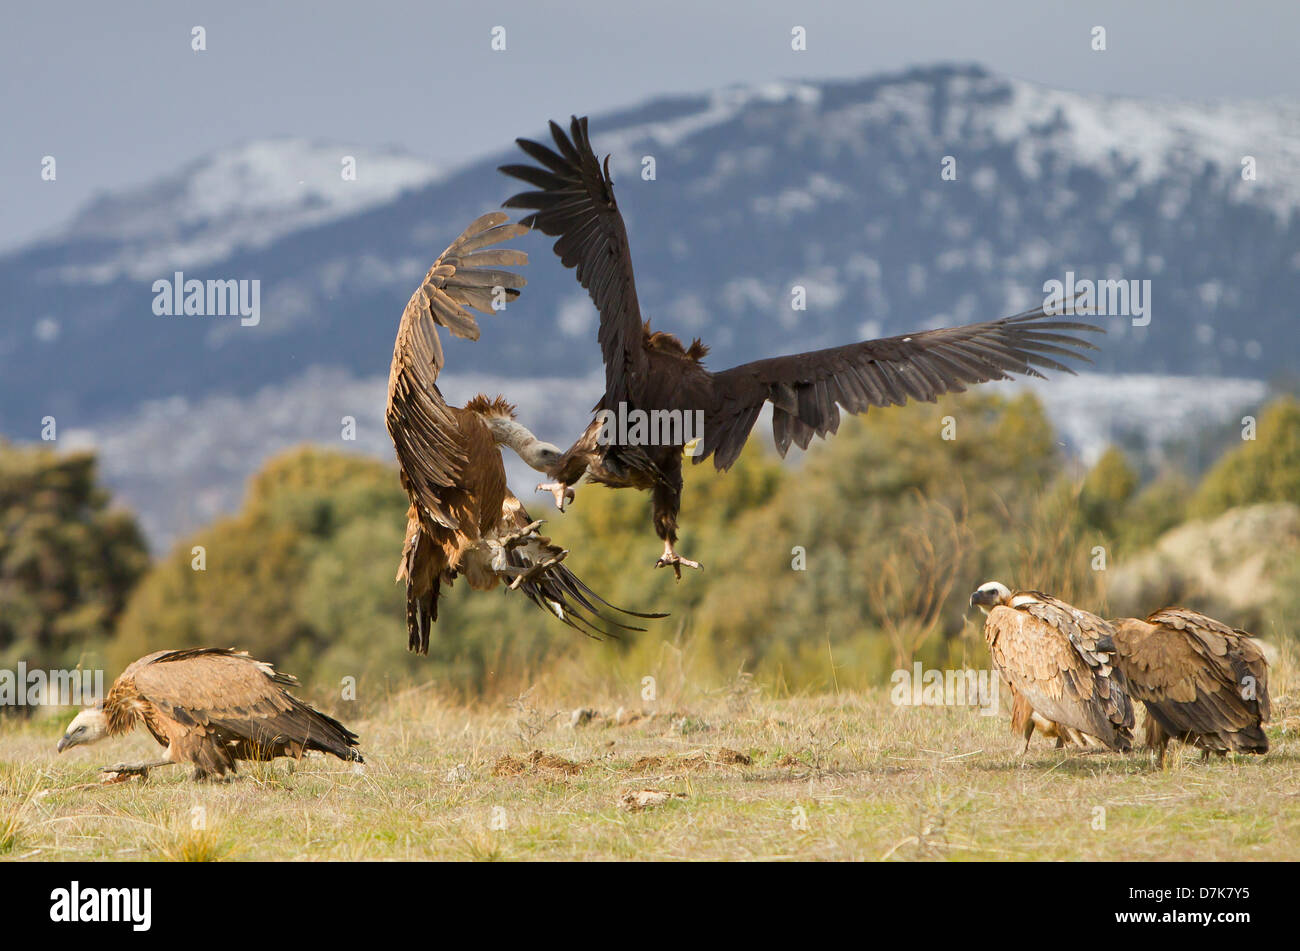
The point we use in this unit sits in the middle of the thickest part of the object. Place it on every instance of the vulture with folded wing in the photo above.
(463, 519)
(209, 706)
(653, 372)
(1202, 682)
(1059, 662)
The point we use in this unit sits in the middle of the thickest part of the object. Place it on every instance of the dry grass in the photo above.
(724, 774)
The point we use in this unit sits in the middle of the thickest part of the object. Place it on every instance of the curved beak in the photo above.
(63, 743)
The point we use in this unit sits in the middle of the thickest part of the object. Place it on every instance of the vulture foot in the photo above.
(120, 772)
(671, 559)
(522, 535)
(559, 490)
(527, 574)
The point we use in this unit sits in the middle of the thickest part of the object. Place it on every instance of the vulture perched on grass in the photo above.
(463, 519)
(1202, 682)
(653, 372)
(1059, 662)
(209, 706)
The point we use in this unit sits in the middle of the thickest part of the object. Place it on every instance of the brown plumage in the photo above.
(649, 371)
(1025, 720)
(463, 519)
(1202, 682)
(1058, 661)
(210, 707)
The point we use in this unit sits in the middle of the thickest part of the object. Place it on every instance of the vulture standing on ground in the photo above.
(1059, 663)
(209, 706)
(1202, 682)
(652, 371)
(463, 519)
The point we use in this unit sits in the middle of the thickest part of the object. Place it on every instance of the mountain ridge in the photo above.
(831, 185)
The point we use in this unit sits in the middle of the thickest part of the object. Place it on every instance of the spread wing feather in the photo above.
(426, 437)
(574, 203)
(807, 389)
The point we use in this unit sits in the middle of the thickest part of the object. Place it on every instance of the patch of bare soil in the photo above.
(534, 762)
(696, 759)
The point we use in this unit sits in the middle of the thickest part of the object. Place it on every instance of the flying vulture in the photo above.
(209, 706)
(1059, 663)
(652, 371)
(463, 519)
(1202, 682)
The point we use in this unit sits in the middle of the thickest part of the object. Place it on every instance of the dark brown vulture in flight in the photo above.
(651, 371)
(209, 706)
(1202, 682)
(463, 519)
(1059, 663)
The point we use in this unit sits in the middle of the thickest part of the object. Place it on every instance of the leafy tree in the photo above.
(67, 561)
(1107, 491)
(1265, 469)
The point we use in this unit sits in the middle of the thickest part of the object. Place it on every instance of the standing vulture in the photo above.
(1059, 663)
(1202, 682)
(463, 519)
(209, 706)
(652, 372)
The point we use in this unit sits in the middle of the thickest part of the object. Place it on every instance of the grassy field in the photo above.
(729, 774)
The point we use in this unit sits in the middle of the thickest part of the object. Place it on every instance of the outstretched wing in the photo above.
(1197, 675)
(1040, 662)
(227, 692)
(466, 275)
(806, 389)
(574, 203)
(556, 589)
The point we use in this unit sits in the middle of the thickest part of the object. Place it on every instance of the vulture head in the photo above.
(542, 456)
(989, 595)
(88, 726)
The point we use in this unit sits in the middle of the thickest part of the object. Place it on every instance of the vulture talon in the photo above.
(515, 539)
(671, 559)
(527, 574)
(560, 492)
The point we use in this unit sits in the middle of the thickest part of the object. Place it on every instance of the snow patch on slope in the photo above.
(245, 197)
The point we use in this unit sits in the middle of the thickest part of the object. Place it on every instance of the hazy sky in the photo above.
(115, 93)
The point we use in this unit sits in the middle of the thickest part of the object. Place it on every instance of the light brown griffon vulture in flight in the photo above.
(652, 372)
(1202, 682)
(1059, 662)
(209, 706)
(463, 519)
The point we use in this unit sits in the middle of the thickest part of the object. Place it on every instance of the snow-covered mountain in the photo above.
(244, 198)
(837, 187)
